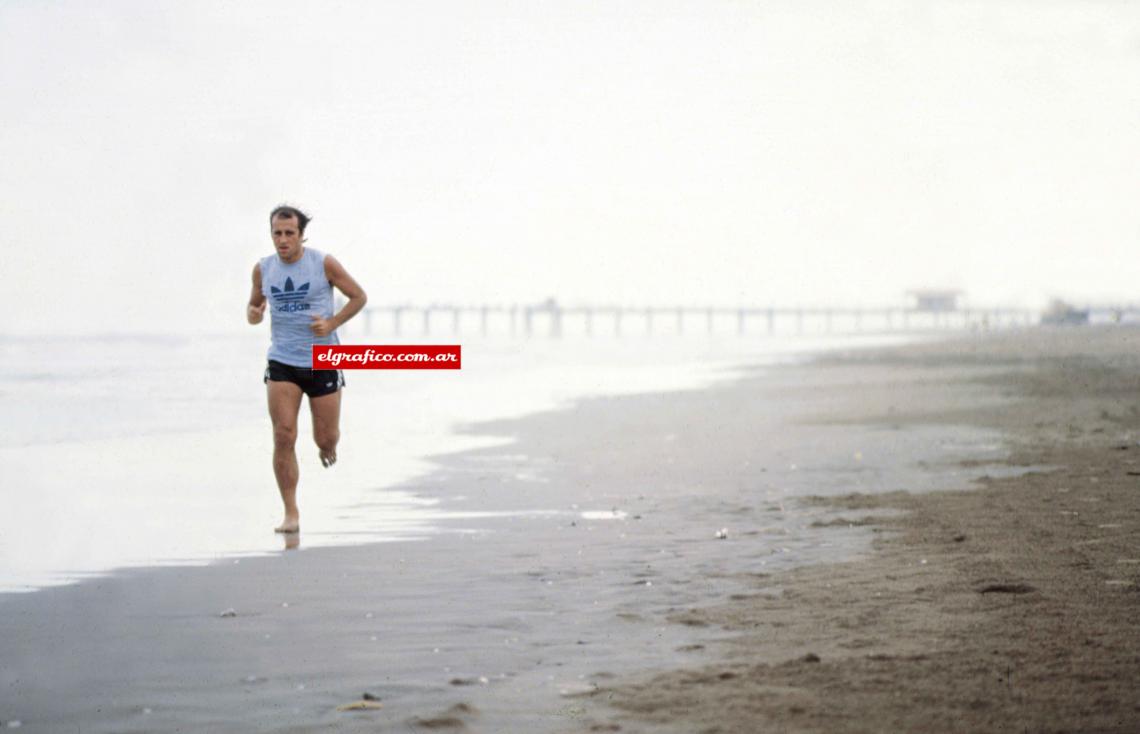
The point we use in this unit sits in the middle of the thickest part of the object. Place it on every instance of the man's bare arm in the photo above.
(255, 311)
(347, 285)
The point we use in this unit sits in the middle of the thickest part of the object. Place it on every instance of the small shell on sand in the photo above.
(614, 514)
(571, 690)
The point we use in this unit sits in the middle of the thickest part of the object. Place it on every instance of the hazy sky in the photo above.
(635, 152)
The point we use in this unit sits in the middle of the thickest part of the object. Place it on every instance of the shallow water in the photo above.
(134, 451)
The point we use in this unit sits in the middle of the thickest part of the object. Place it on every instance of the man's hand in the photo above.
(254, 314)
(322, 327)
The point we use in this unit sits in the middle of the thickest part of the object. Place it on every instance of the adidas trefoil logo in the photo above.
(290, 298)
(289, 294)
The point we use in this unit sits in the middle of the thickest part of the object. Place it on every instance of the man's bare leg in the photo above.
(284, 405)
(326, 425)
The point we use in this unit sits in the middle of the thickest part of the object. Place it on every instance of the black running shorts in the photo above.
(315, 383)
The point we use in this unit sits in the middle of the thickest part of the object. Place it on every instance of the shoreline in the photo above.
(521, 622)
(1007, 606)
(184, 465)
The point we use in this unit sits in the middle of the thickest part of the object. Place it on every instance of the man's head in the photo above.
(287, 225)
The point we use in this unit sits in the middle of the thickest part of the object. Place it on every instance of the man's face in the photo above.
(286, 237)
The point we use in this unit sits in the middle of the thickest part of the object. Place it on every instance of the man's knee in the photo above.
(327, 439)
(284, 437)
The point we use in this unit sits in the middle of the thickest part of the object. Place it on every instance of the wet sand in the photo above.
(847, 595)
(1008, 607)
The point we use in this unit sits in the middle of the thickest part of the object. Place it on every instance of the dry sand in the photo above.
(1006, 606)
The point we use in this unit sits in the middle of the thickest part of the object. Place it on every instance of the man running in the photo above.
(297, 285)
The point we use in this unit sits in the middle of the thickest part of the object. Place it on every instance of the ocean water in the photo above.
(136, 451)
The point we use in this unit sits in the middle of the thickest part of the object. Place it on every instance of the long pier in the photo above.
(554, 320)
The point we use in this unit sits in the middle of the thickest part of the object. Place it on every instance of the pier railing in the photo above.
(555, 320)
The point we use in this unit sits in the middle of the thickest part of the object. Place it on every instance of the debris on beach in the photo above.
(438, 722)
(363, 705)
(722, 534)
(231, 612)
(612, 514)
(811, 657)
(452, 718)
(463, 709)
(1006, 589)
(571, 690)
(366, 696)
(481, 680)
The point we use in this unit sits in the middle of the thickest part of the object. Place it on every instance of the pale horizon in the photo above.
(651, 154)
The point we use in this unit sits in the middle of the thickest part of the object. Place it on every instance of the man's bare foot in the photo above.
(328, 458)
(292, 524)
